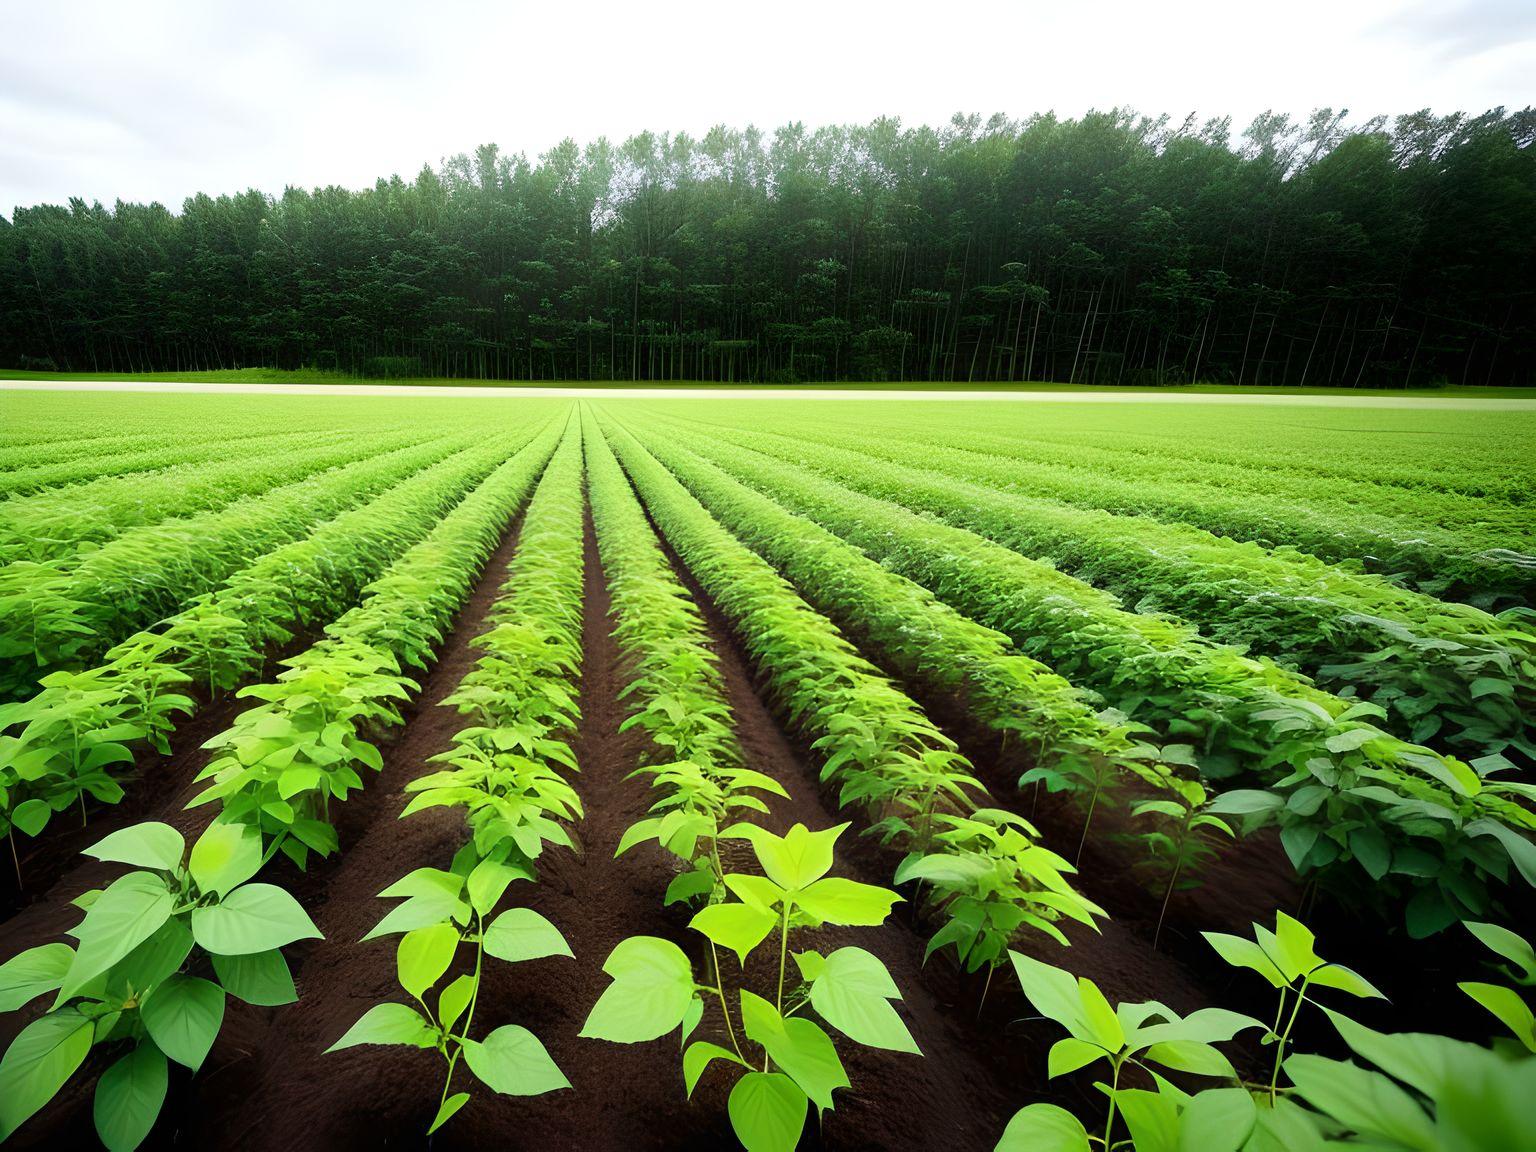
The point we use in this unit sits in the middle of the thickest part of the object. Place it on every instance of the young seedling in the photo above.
(1184, 840)
(991, 879)
(1147, 1036)
(442, 912)
(122, 985)
(796, 1063)
(1288, 959)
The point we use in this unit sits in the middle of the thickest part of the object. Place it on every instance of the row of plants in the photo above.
(677, 697)
(69, 739)
(282, 762)
(1093, 755)
(986, 875)
(1441, 671)
(138, 456)
(55, 527)
(153, 936)
(1258, 471)
(1435, 832)
(675, 693)
(1401, 1092)
(507, 774)
(55, 615)
(1398, 533)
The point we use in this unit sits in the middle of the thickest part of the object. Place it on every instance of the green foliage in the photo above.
(452, 916)
(124, 985)
(654, 990)
(884, 753)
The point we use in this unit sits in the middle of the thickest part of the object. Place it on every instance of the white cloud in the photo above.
(160, 99)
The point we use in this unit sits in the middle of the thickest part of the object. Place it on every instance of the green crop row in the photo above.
(171, 456)
(1342, 790)
(282, 762)
(126, 987)
(675, 693)
(56, 527)
(56, 616)
(506, 774)
(1437, 669)
(883, 752)
(67, 738)
(1327, 519)
(928, 644)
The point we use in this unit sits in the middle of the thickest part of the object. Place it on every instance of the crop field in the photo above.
(691, 774)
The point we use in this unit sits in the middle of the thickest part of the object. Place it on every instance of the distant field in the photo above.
(275, 376)
(1085, 679)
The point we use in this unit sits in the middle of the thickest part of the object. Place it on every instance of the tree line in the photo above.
(1111, 249)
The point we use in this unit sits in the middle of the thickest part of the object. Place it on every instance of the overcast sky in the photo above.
(157, 99)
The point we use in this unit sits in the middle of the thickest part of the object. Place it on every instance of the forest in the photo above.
(1115, 248)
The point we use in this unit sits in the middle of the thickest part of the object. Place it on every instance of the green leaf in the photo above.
(1507, 1005)
(1217, 1120)
(1512, 947)
(1240, 952)
(148, 845)
(389, 1024)
(424, 955)
(486, 883)
(225, 856)
(512, 1061)
(1190, 1056)
(153, 961)
(767, 1112)
(32, 816)
(129, 1096)
(29, 974)
(852, 993)
(128, 912)
(796, 859)
(252, 918)
(838, 901)
(1053, 991)
(650, 994)
(523, 934)
(1345, 980)
(447, 1109)
(698, 1056)
(453, 999)
(420, 912)
(739, 927)
(1043, 1128)
(260, 978)
(183, 1016)
(1069, 1054)
(798, 1047)
(42, 1057)
(1365, 1101)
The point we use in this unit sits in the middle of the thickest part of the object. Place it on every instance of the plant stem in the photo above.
(1274, 1079)
(469, 1015)
(725, 1008)
(15, 857)
(1114, 1086)
(1087, 820)
(1167, 896)
(783, 950)
(985, 988)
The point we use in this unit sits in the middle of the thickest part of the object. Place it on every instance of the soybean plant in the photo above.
(655, 991)
(442, 912)
(125, 987)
